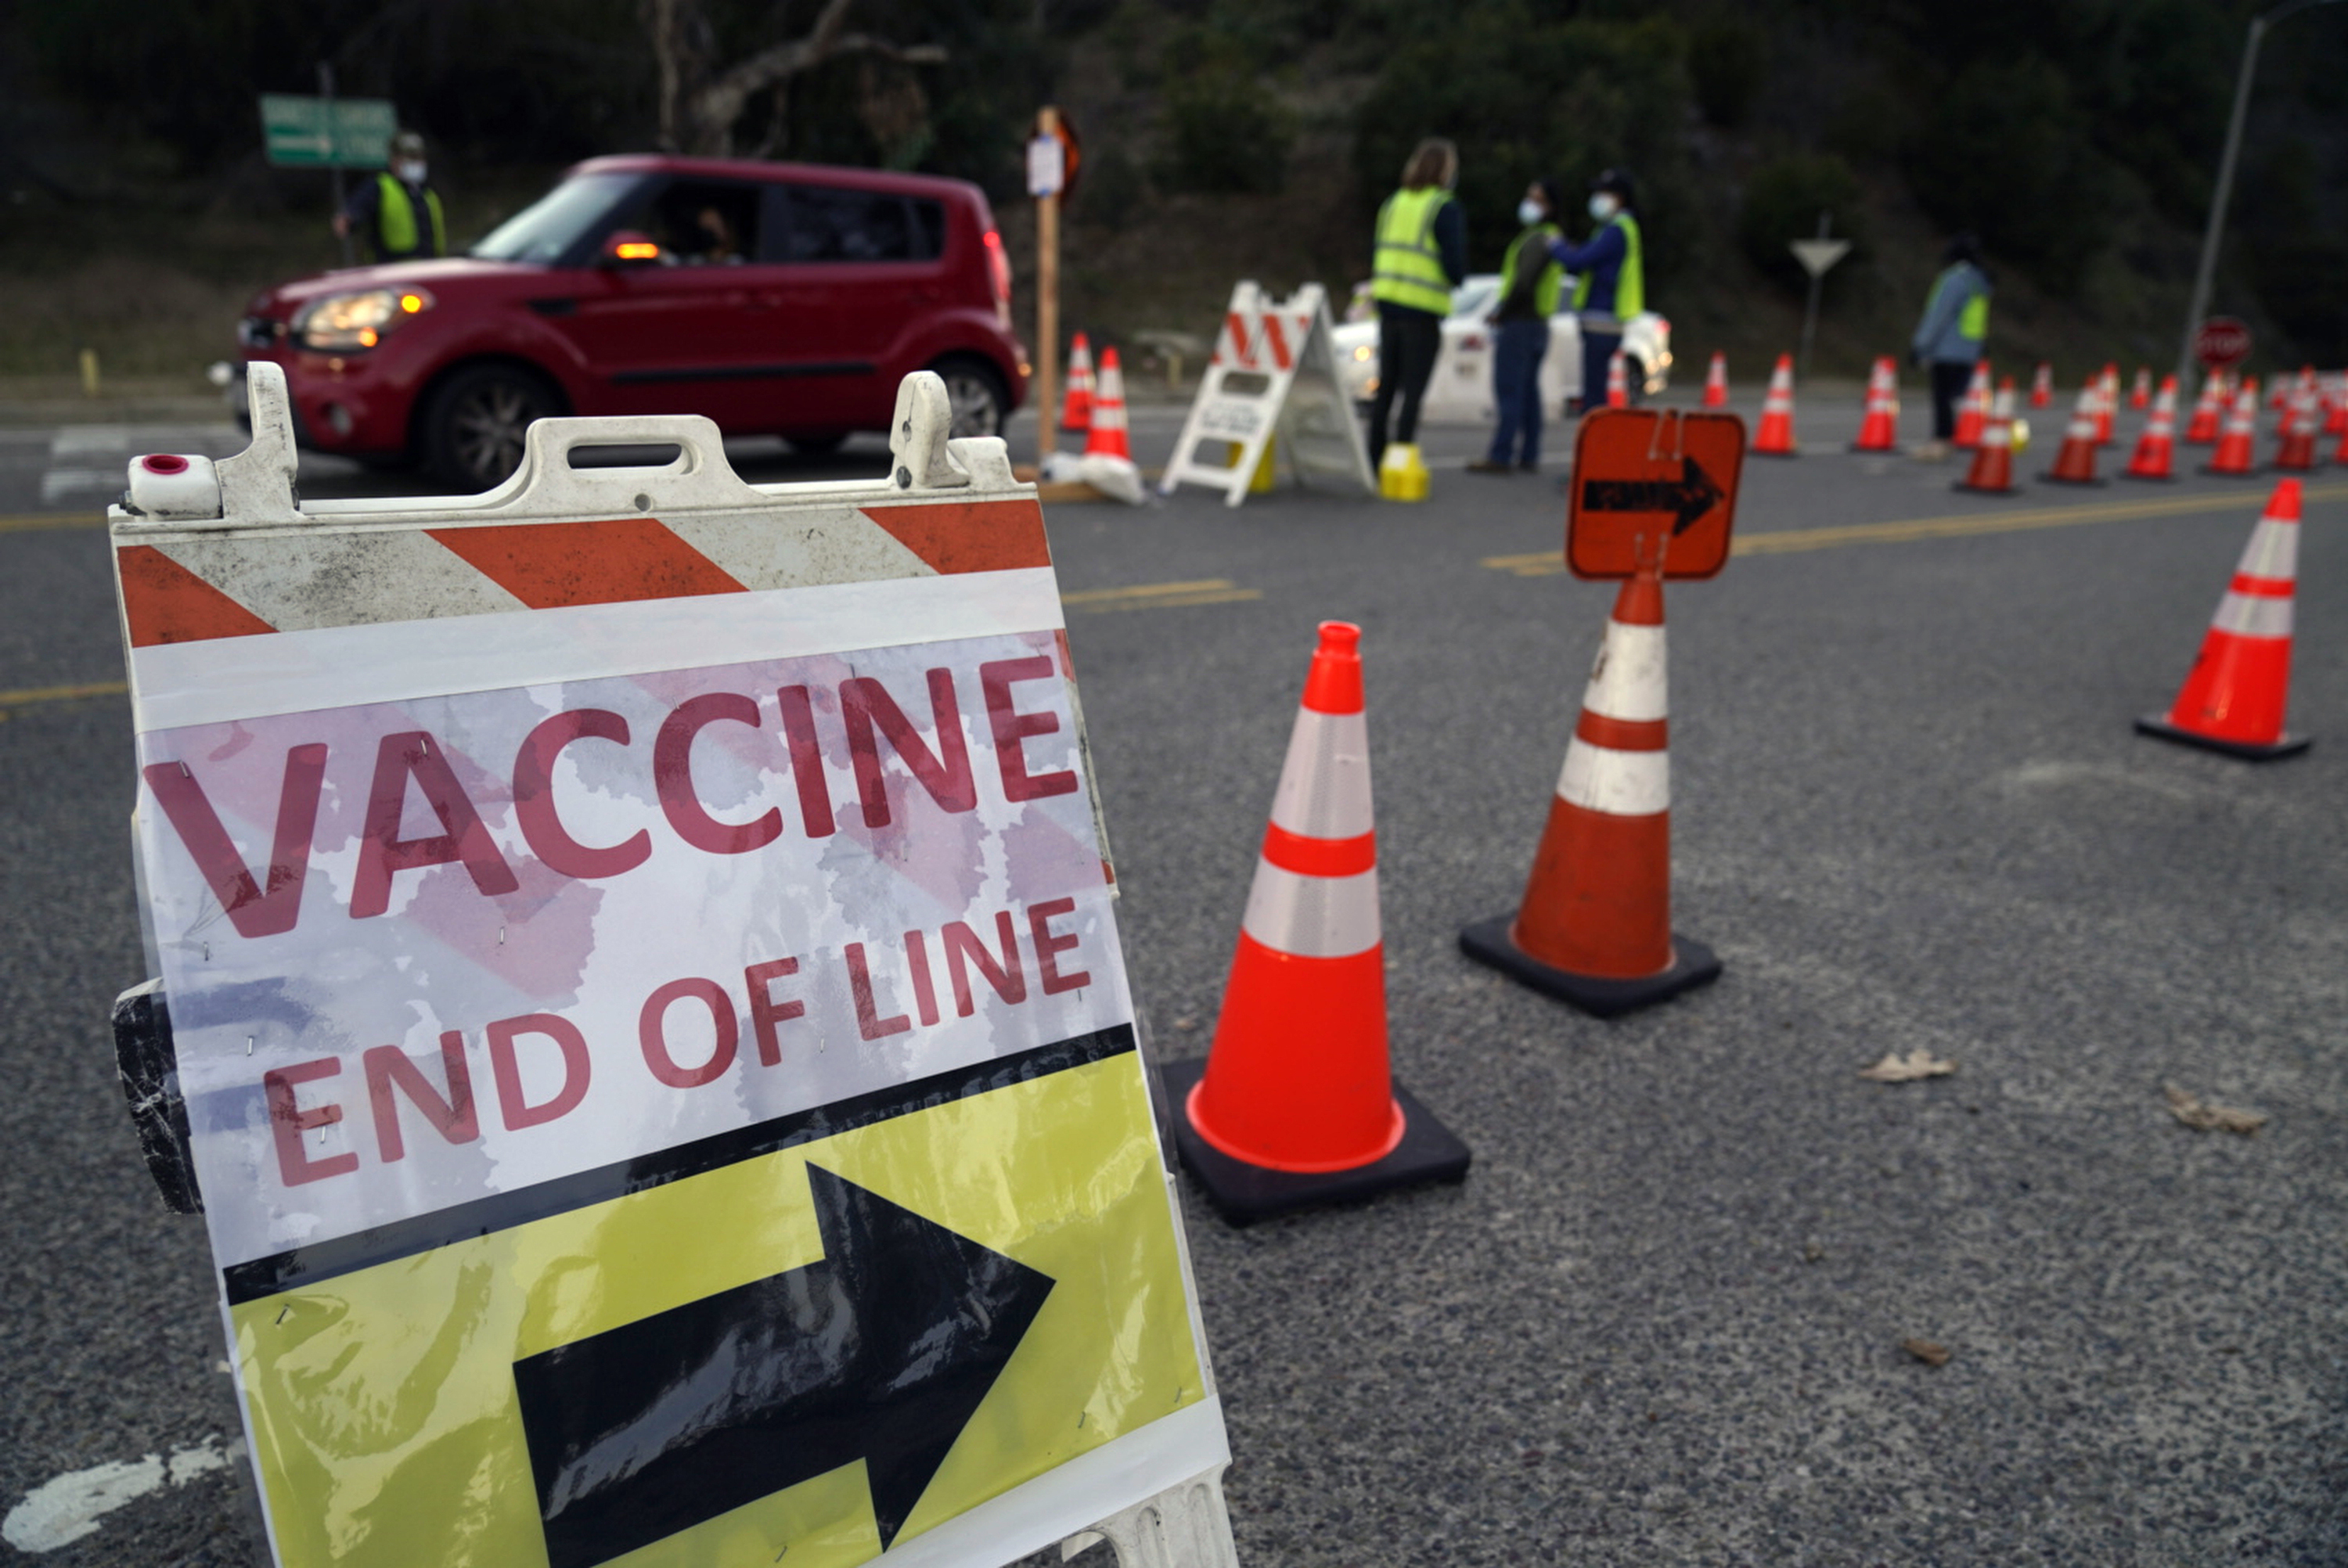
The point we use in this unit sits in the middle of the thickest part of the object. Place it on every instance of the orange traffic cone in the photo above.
(2075, 464)
(2340, 453)
(2140, 394)
(1107, 434)
(1077, 407)
(2234, 697)
(1879, 430)
(2208, 411)
(1595, 927)
(1295, 1103)
(2236, 455)
(1992, 470)
(1715, 381)
(2297, 453)
(2335, 403)
(2041, 386)
(2284, 388)
(1973, 412)
(1776, 437)
(2155, 450)
(1618, 382)
(2107, 403)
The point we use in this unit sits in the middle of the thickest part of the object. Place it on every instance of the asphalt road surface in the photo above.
(1662, 1321)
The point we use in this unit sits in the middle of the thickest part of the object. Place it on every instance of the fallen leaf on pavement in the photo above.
(2204, 1117)
(1897, 1069)
(1924, 1350)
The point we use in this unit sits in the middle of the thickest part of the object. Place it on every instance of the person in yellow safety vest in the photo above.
(1422, 255)
(396, 211)
(1948, 340)
(1611, 278)
(1531, 284)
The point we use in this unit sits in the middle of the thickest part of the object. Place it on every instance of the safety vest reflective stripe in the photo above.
(396, 218)
(1551, 286)
(1629, 280)
(1409, 264)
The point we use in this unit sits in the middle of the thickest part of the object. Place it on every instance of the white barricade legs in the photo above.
(1272, 380)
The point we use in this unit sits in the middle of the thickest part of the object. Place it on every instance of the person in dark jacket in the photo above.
(1422, 256)
(1948, 340)
(1531, 285)
(397, 212)
(1611, 273)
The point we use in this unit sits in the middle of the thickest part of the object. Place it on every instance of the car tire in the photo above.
(975, 393)
(475, 425)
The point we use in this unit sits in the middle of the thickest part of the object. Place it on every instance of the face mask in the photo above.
(1529, 212)
(413, 173)
(1603, 206)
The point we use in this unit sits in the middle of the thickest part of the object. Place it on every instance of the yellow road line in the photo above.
(1549, 563)
(26, 696)
(33, 521)
(1160, 595)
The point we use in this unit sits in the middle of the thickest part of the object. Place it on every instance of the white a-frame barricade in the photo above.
(650, 1031)
(1275, 374)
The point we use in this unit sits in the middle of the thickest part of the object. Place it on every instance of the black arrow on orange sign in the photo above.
(1687, 497)
(880, 1352)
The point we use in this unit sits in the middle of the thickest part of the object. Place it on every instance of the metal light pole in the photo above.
(2208, 269)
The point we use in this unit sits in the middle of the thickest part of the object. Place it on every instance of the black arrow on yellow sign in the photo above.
(1687, 497)
(882, 1352)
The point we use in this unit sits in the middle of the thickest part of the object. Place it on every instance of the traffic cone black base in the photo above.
(2051, 477)
(2251, 473)
(1244, 1194)
(2249, 751)
(1693, 964)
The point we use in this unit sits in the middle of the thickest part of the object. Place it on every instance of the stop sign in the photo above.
(2222, 342)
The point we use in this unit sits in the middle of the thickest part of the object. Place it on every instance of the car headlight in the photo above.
(1363, 353)
(342, 323)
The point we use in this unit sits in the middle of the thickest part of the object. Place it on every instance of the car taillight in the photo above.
(998, 267)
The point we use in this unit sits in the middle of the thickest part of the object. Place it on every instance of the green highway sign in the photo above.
(328, 133)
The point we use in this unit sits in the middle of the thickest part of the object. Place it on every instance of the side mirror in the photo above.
(627, 247)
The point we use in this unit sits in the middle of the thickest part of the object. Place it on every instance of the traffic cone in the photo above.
(1992, 470)
(2237, 445)
(1105, 429)
(2041, 386)
(1973, 412)
(1595, 926)
(2297, 451)
(1618, 382)
(1295, 1103)
(2208, 411)
(2234, 697)
(2075, 464)
(1880, 431)
(2156, 449)
(2107, 403)
(2140, 394)
(2286, 389)
(1776, 437)
(2335, 403)
(1077, 407)
(1715, 381)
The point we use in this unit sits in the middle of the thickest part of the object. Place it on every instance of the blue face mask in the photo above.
(1529, 212)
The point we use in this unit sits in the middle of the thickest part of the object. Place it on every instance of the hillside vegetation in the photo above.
(1226, 139)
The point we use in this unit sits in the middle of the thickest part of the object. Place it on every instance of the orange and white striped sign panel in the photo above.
(647, 995)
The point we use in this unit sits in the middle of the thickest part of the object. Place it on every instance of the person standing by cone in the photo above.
(1611, 274)
(1530, 287)
(1948, 340)
(1422, 255)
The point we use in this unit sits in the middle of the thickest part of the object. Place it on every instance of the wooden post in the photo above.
(1047, 304)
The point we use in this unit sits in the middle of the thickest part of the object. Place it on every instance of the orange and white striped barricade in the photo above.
(2237, 695)
(1273, 373)
(645, 995)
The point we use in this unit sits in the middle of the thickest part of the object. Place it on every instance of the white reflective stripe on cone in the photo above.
(2273, 551)
(1619, 784)
(1627, 681)
(1324, 785)
(1313, 917)
(2254, 615)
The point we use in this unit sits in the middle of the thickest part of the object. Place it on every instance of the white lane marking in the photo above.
(63, 1511)
(59, 483)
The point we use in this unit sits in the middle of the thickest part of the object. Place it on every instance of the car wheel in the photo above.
(977, 396)
(475, 429)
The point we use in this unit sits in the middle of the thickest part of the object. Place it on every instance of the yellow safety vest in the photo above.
(1409, 264)
(1630, 282)
(1551, 286)
(395, 218)
(1972, 321)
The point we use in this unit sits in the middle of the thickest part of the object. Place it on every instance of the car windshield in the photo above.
(548, 228)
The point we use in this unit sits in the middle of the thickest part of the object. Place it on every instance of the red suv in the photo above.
(776, 298)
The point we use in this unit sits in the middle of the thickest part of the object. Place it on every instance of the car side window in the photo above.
(829, 223)
(702, 222)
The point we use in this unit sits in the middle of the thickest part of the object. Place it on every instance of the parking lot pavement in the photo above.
(1661, 1320)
